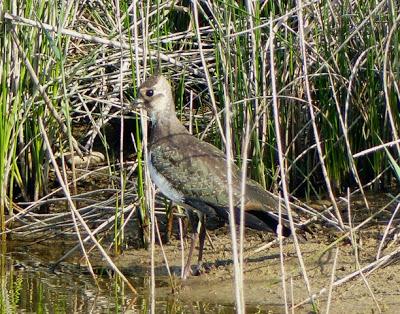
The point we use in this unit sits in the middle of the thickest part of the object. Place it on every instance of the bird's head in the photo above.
(155, 96)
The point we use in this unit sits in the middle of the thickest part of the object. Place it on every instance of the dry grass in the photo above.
(303, 95)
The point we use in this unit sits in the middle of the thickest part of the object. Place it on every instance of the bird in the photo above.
(193, 173)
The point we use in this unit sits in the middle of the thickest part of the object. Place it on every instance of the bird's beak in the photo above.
(138, 103)
(134, 105)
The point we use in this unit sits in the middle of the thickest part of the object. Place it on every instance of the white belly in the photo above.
(164, 185)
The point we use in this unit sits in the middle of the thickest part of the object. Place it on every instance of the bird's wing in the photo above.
(198, 170)
(195, 168)
(258, 197)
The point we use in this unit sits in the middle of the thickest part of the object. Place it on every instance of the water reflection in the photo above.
(28, 286)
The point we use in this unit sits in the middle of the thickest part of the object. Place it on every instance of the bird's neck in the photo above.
(164, 125)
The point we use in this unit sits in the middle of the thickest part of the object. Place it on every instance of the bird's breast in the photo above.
(163, 184)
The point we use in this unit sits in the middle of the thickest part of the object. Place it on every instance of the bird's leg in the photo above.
(194, 221)
(202, 238)
(187, 269)
(201, 235)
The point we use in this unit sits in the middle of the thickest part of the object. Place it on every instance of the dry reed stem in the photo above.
(312, 113)
(282, 262)
(282, 165)
(367, 270)
(76, 214)
(389, 112)
(354, 242)
(386, 232)
(328, 302)
(99, 40)
(46, 98)
(199, 62)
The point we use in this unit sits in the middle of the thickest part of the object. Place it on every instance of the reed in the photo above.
(329, 123)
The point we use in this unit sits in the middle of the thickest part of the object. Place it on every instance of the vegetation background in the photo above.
(307, 91)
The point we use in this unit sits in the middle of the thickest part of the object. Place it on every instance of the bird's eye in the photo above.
(149, 93)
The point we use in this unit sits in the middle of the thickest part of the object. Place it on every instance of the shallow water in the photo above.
(30, 286)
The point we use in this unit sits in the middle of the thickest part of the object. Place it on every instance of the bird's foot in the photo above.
(195, 270)
(186, 271)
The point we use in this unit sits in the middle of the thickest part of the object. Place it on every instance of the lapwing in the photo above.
(193, 173)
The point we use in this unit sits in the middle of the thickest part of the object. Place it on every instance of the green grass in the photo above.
(348, 50)
(71, 82)
(347, 47)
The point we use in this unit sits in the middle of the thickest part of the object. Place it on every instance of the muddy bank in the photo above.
(213, 290)
(262, 273)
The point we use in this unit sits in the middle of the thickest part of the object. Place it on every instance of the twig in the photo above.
(113, 43)
(328, 303)
(367, 270)
(77, 215)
